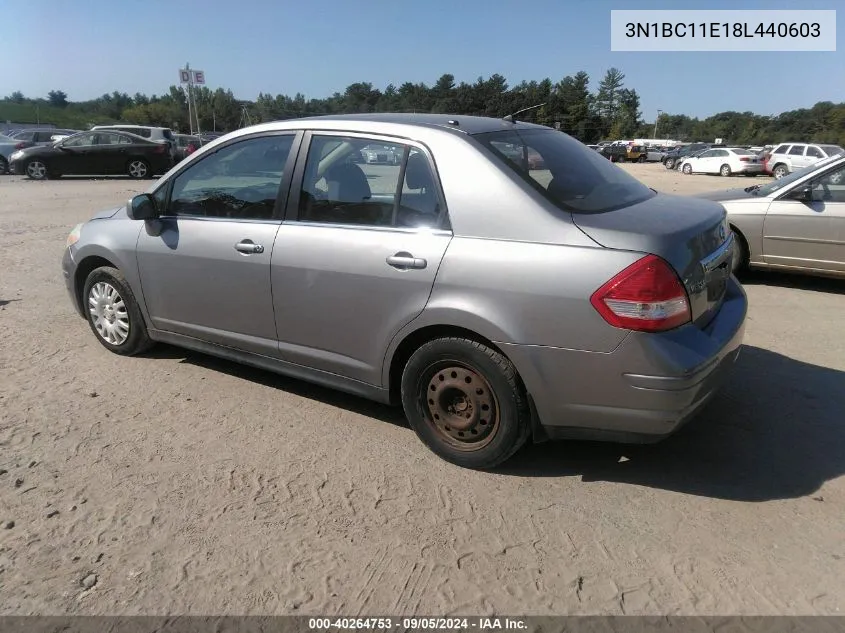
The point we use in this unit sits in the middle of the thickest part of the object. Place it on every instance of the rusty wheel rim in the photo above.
(460, 406)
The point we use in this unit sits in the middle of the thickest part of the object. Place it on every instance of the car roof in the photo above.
(371, 121)
(127, 125)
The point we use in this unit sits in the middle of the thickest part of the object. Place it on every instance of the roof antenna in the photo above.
(510, 117)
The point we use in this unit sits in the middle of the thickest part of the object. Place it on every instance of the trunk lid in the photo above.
(691, 234)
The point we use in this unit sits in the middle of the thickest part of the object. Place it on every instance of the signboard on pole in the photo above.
(184, 76)
(198, 77)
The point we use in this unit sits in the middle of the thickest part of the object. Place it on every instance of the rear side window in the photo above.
(815, 152)
(44, 137)
(832, 150)
(570, 175)
(356, 181)
(797, 150)
(25, 136)
(781, 149)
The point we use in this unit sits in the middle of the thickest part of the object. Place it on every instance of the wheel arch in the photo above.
(401, 352)
(83, 269)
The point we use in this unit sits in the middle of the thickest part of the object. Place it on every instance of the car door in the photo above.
(808, 233)
(111, 152)
(356, 258)
(205, 263)
(700, 163)
(812, 155)
(796, 157)
(78, 155)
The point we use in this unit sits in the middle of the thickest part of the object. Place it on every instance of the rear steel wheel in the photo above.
(138, 169)
(461, 406)
(465, 401)
(725, 170)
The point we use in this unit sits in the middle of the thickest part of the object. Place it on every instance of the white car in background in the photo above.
(725, 161)
(788, 157)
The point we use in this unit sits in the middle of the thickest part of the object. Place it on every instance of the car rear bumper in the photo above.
(644, 390)
(749, 168)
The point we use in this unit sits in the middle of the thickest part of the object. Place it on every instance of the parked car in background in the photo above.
(9, 146)
(411, 294)
(41, 136)
(791, 223)
(186, 145)
(375, 153)
(161, 134)
(725, 161)
(93, 154)
(672, 158)
(614, 152)
(787, 157)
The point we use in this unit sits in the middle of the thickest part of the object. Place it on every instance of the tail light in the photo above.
(744, 159)
(160, 149)
(647, 297)
(21, 145)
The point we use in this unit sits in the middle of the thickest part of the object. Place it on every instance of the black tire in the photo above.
(725, 170)
(137, 340)
(641, 159)
(687, 169)
(741, 254)
(480, 380)
(138, 169)
(780, 171)
(4, 166)
(670, 163)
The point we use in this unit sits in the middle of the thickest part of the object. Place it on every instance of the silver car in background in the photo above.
(493, 300)
(796, 223)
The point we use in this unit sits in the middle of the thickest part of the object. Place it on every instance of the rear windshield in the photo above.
(566, 172)
(743, 152)
(831, 150)
(168, 134)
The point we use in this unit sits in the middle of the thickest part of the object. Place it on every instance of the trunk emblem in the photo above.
(721, 232)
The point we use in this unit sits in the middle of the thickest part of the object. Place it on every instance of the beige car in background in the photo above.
(796, 223)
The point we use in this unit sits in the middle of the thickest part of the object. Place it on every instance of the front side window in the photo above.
(239, 181)
(356, 181)
(81, 140)
(797, 150)
(830, 187)
(570, 175)
(814, 152)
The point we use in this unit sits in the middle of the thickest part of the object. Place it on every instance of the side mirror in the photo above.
(804, 193)
(142, 207)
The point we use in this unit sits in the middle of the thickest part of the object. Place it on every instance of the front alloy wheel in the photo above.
(108, 313)
(113, 314)
(36, 170)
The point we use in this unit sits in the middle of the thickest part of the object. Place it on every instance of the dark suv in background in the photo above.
(675, 156)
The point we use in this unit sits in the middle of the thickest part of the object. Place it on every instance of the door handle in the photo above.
(404, 261)
(248, 247)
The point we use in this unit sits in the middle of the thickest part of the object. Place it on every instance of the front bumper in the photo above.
(68, 272)
(641, 392)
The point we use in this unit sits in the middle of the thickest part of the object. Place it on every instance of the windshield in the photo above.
(566, 172)
(798, 174)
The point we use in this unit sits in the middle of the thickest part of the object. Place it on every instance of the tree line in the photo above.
(610, 111)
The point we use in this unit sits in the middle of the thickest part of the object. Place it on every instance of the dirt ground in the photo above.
(177, 483)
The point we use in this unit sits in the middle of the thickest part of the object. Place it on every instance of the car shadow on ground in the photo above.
(776, 431)
(362, 406)
(828, 285)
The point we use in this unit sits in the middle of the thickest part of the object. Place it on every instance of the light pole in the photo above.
(655, 123)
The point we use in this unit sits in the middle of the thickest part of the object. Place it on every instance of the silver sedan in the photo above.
(796, 223)
(495, 297)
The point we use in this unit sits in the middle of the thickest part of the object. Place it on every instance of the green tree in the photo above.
(57, 98)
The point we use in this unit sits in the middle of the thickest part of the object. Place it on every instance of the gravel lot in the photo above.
(177, 483)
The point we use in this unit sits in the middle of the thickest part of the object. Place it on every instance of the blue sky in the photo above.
(96, 46)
